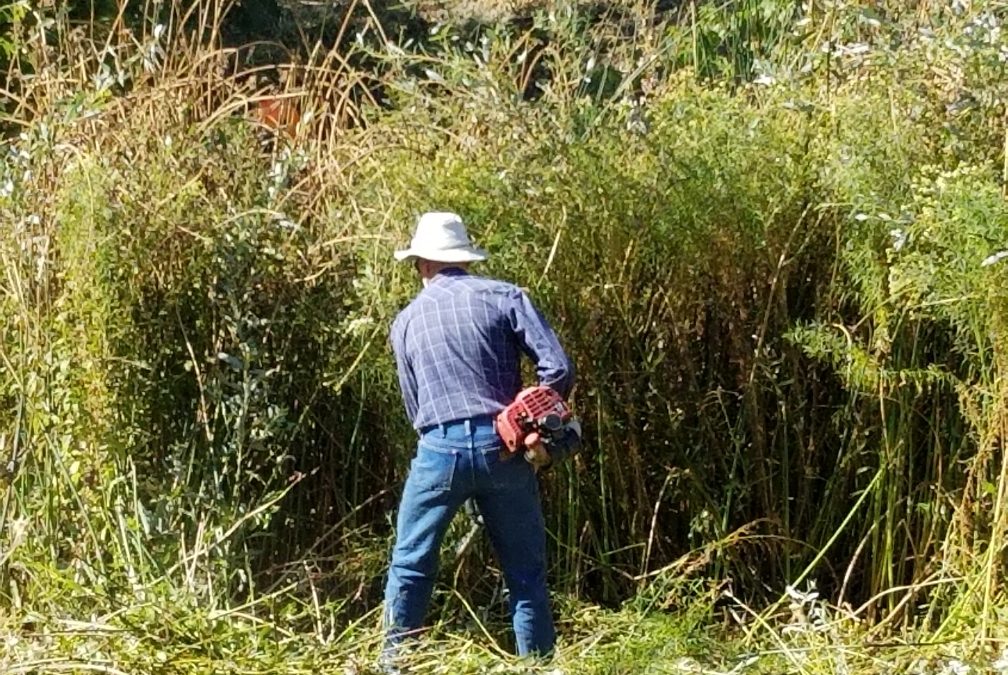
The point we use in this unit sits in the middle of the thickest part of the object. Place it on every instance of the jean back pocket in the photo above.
(433, 468)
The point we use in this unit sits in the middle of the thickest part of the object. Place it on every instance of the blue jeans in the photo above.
(454, 462)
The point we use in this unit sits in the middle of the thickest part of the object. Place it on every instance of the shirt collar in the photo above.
(450, 272)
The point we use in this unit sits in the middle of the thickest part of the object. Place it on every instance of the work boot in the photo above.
(394, 657)
(388, 665)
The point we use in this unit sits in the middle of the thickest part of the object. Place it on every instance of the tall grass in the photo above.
(774, 256)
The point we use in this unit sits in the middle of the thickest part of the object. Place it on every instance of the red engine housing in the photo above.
(529, 413)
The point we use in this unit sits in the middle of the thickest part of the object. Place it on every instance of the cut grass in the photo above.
(166, 640)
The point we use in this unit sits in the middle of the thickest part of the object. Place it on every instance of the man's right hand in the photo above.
(535, 452)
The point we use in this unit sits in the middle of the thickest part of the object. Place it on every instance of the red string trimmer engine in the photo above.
(538, 414)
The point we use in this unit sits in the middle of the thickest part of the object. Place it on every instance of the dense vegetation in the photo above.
(772, 236)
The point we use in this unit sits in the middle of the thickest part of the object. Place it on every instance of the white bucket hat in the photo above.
(441, 237)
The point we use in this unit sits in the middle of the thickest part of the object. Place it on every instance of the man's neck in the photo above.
(447, 271)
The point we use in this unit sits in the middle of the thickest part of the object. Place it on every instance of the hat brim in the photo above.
(451, 255)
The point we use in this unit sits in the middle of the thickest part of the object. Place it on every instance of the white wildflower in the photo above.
(40, 267)
(103, 79)
(995, 258)
(861, 217)
(819, 617)
(854, 49)
(957, 667)
(636, 122)
(744, 664)
(277, 172)
(1001, 665)
(7, 189)
(798, 596)
(899, 238)
(17, 529)
(686, 664)
(152, 58)
(765, 80)
(153, 53)
(359, 325)
(869, 21)
(985, 28)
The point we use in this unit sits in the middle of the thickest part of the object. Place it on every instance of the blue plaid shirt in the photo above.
(458, 348)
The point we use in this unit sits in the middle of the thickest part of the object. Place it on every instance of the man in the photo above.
(458, 347)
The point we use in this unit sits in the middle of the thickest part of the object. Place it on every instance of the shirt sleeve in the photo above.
(407, 378)
(540, 343)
